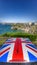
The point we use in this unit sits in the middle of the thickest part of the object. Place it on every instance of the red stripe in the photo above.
(4, 51)
(26, 42)
(18, 53)
(9, 42)
(32, 49)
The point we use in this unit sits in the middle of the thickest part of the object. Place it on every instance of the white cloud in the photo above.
(15, 20)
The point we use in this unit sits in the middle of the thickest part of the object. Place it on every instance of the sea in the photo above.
(4, 28)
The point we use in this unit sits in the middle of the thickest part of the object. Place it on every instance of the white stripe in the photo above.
(32, 47)
(10, 52)
(13, 39)
(4, 48)
(32, 52)
(26, 40)
(25, 53)
(8, 42)
(22, 39)
(4, 53)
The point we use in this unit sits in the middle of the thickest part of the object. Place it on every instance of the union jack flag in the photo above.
(18, 50)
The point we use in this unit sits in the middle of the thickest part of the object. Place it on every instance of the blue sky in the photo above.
(18, 10)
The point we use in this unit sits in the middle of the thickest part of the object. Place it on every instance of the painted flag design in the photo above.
(18, 50)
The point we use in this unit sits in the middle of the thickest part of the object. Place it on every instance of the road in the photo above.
(18, 63)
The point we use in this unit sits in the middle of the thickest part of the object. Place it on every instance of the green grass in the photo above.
(32, 37)
(2, 40)
(20, 34)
